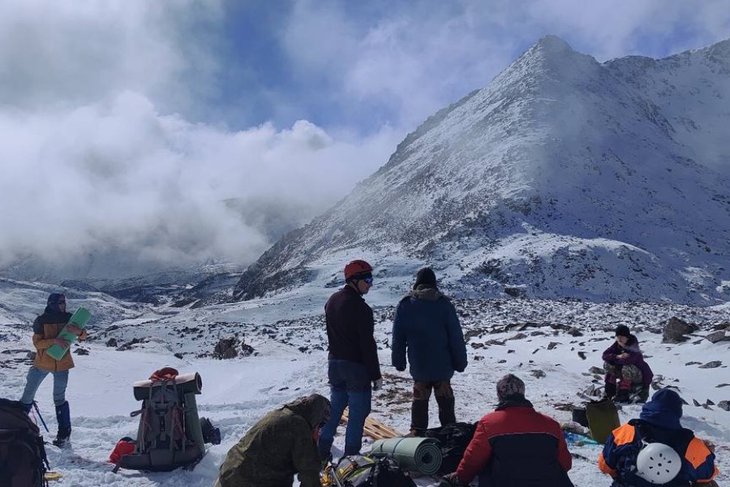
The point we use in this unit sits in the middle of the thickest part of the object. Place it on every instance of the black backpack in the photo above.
(22, 454)
(453, 440)
(360, 471)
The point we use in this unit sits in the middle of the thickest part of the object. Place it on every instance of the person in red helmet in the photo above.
(353, 366)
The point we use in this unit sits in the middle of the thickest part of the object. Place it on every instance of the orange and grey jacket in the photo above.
(618, 458)
(45, 328)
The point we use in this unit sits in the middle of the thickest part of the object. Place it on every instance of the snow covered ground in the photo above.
(543, 342)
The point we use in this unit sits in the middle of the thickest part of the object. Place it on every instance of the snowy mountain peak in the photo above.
(550, 58)
(719, 53)
(552, 49)
(562, 177)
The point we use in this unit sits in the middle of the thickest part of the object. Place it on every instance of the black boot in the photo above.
(610, 390)
(622, 397)
(643, 395)
(63, 416)
(446, 410)
(419, 417)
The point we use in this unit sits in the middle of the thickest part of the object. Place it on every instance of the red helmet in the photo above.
(357, 267)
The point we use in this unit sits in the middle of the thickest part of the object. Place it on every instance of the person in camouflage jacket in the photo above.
(283, 443)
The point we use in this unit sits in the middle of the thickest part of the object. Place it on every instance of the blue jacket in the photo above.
(659, 422)
(426, 325)
(618, 458)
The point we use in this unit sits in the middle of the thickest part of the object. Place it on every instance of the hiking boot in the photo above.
(62, 438)
(643, 395)
(610, 391)
(622, 397)
(63, 416)
(416, 433)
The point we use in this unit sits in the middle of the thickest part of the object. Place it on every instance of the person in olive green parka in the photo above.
(281, 444)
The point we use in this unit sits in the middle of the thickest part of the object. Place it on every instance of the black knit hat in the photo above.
(622, 331)
(426, 277)
(54, 301)
(510, 385)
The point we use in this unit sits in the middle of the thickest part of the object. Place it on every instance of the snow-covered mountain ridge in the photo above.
(563, 177)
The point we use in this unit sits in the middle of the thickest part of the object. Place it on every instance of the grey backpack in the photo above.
(169, 433)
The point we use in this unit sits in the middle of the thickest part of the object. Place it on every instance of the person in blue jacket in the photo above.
(427, 327)
(659, 422)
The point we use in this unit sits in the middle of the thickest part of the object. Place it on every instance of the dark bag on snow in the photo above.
(602, 419)
(211, 434)
(360, 471)
(579, 416)
(169, 434)
(22, 454)
(453, 440)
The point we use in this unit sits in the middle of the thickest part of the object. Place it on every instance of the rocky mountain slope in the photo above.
(278, 352)
(563, 177)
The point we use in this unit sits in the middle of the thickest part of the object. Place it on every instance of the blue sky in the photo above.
(330, 62)
(141, 118)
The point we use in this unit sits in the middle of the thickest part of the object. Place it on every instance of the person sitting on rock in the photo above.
(624, 362)
(656, 450)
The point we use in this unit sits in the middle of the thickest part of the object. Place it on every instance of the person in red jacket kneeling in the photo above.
(515, 445)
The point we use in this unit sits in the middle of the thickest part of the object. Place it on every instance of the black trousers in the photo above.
(419, 408)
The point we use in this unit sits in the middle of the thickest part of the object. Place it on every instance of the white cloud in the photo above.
(68, 52)
(95, 160)
(96, 154)
(422, 55)
(120, 174)
(654, 28)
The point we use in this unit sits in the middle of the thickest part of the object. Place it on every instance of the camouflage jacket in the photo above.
(276, 448)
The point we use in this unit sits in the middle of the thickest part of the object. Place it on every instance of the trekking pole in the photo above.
(38, 412)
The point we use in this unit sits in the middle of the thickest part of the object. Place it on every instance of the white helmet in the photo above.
(658, 463)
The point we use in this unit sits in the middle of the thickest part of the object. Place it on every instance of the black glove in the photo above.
(451, 480)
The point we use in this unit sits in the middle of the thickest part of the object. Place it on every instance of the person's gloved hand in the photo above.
(451, 480)
(377, 384)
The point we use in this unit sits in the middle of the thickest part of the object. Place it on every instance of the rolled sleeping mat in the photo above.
(421, 455)
(186, 383)
(192, 421)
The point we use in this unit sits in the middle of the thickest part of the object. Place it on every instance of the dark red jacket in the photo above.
(350, 328)
(635, 357)
(515, 446)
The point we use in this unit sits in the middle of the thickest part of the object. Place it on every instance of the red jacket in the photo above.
(511, 438)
